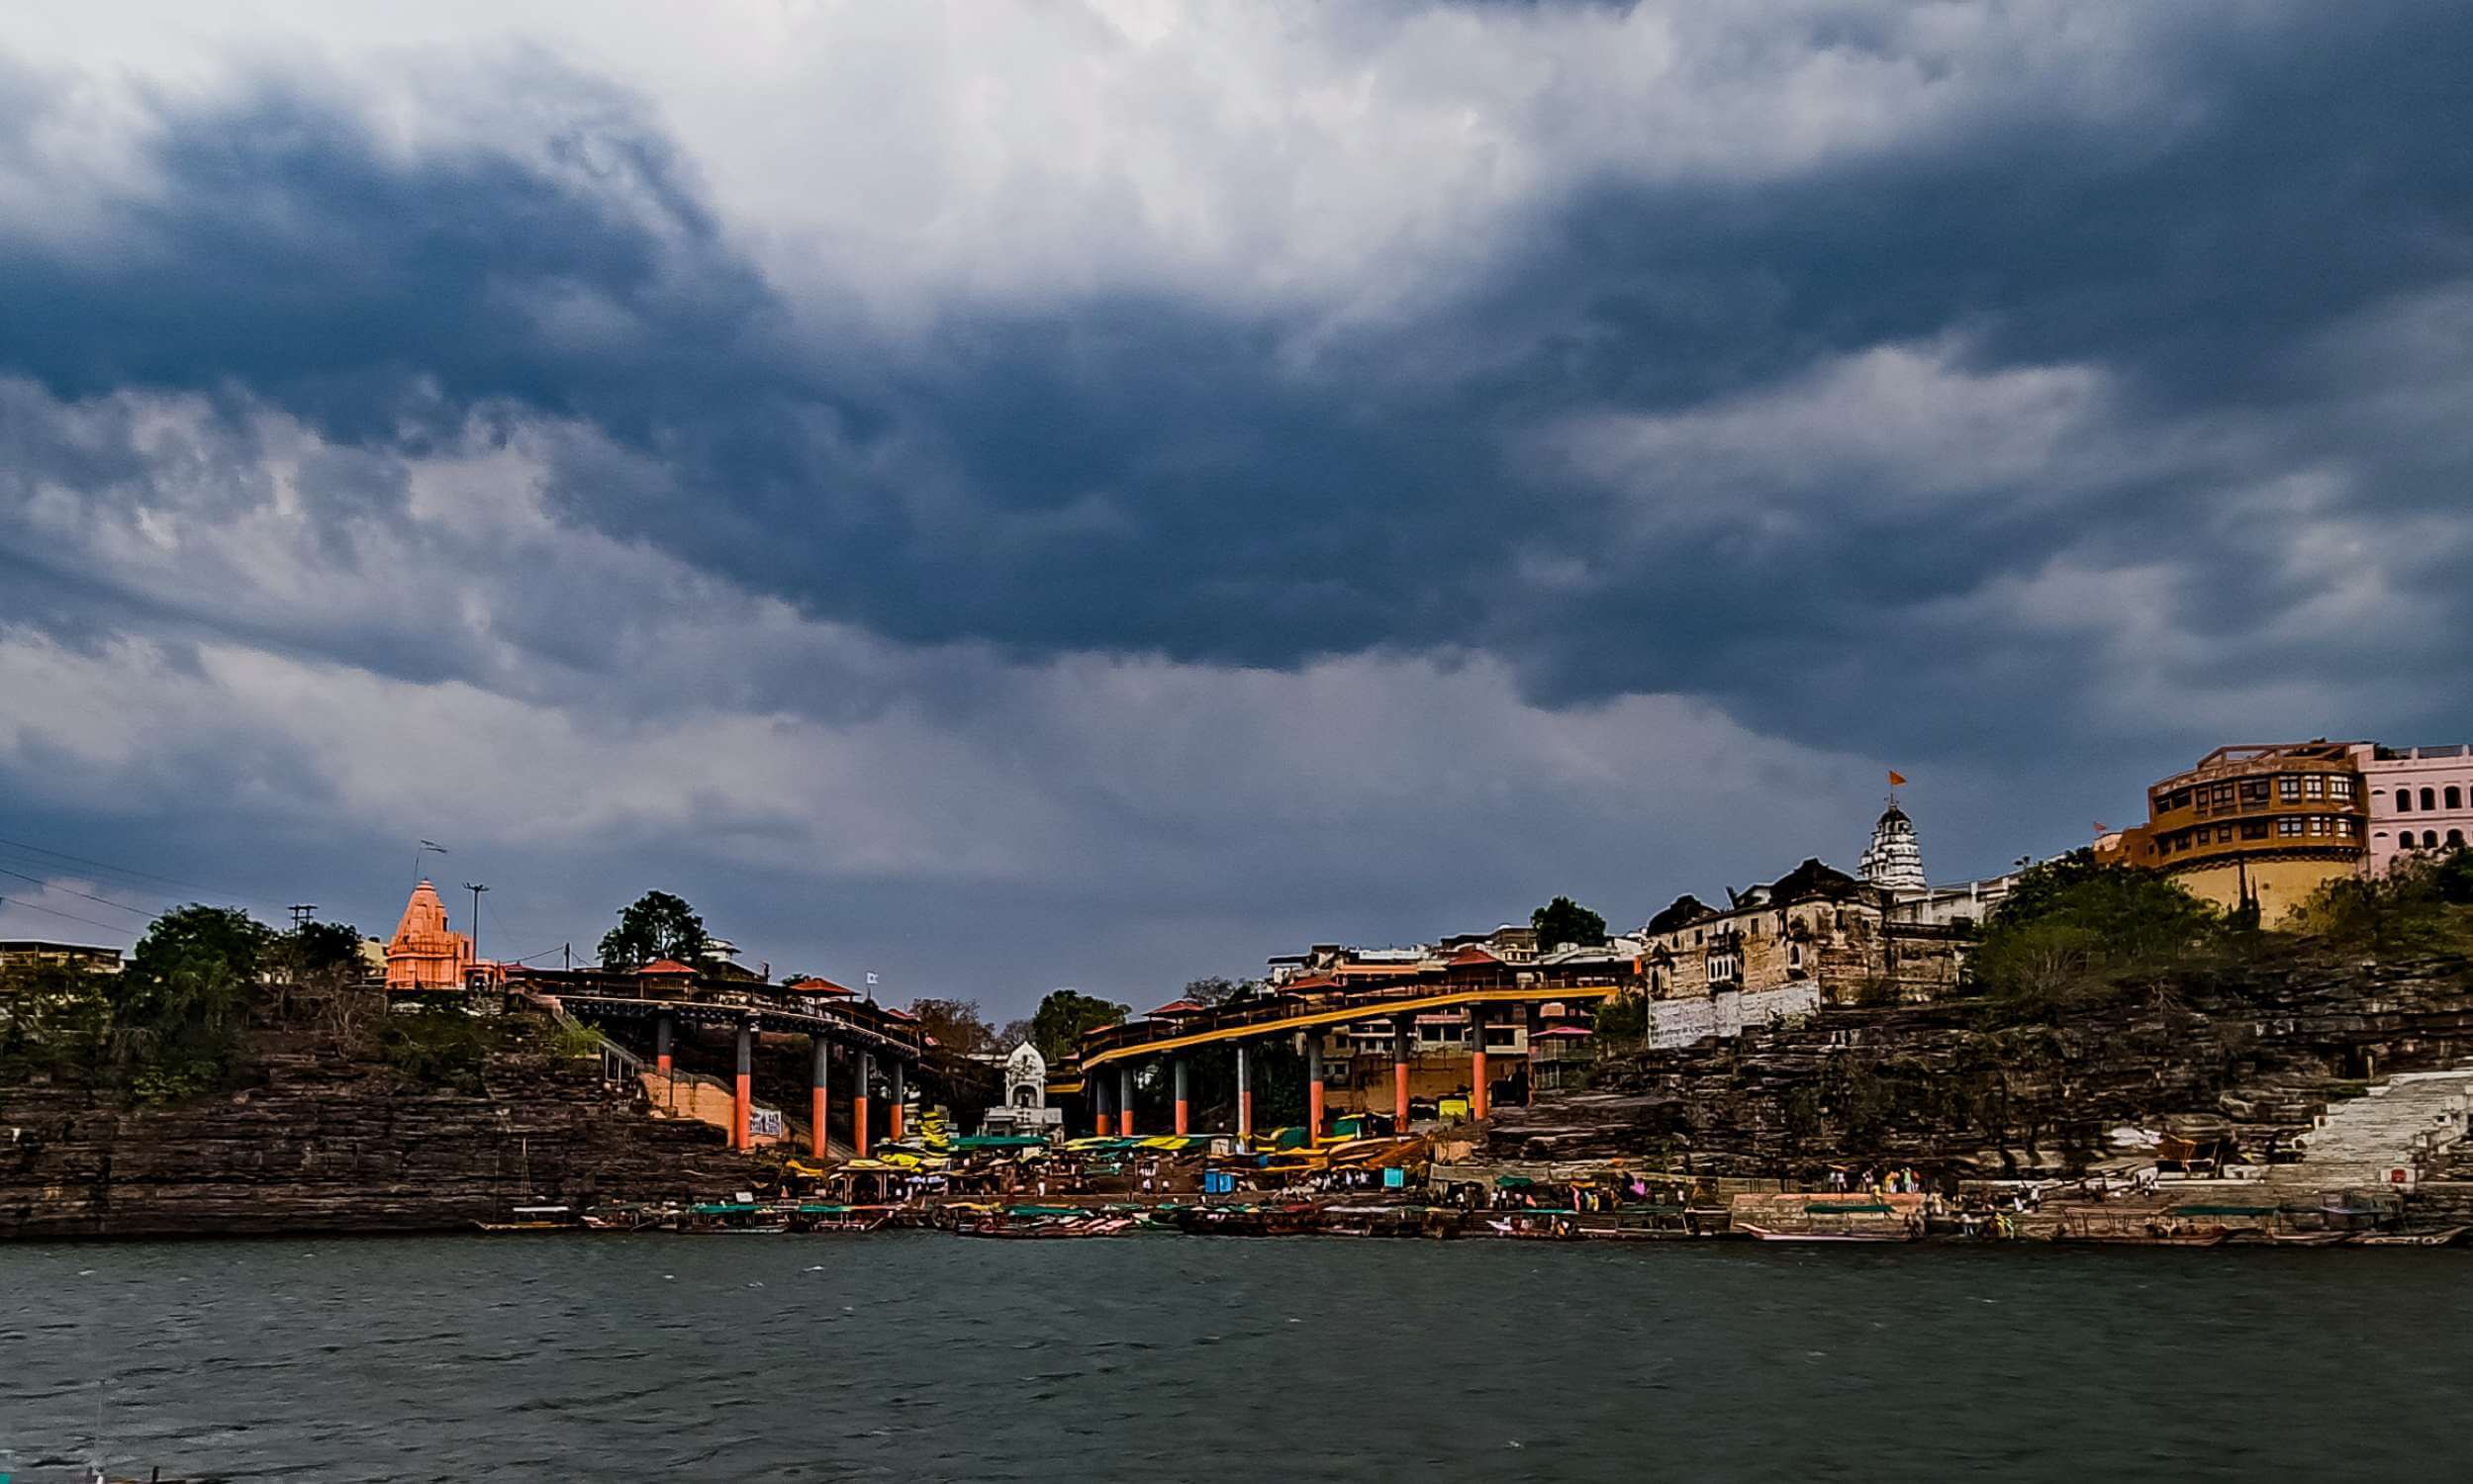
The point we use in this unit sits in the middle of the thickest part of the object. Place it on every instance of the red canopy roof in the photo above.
(665, 969)
(1563, 1030)
(811, 984)
(1176, 1007)
(1474, 955)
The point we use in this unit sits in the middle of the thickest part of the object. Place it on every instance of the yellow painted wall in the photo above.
(2279, 886)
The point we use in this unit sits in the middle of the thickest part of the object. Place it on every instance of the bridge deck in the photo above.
(764, 1015)
(1257, 1022)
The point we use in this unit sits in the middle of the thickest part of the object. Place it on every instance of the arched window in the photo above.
(2403, 801)
(2430, 800)
(2455, 839)
(2456, 796)
(2430, 839)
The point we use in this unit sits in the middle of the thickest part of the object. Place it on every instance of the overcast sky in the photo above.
(1098, 494)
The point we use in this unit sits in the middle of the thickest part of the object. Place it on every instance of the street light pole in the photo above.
(476, 890)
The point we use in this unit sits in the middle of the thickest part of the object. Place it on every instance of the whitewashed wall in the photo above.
(1681, 1022)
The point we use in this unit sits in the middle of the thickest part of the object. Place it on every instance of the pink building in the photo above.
(2421, 799)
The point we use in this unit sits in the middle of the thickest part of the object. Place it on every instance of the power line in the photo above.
(19, 902)
(143, 912)
(127, 870)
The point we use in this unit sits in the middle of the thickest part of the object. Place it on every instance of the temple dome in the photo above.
(1894, 861)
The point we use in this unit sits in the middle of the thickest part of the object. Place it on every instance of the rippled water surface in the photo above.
(921, 1357)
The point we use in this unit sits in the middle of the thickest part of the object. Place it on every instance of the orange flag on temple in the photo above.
(1897, 778)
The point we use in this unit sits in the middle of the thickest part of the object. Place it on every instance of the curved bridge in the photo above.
(1103, 1044)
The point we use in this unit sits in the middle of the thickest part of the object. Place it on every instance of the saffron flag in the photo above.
(1897, 778)
(2102, 828)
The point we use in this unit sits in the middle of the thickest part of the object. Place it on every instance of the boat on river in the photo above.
(535, 1219)
(2445, 1236)
(1046, 1225)
(734, 1219)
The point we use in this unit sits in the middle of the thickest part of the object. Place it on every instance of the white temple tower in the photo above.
(1894, 861)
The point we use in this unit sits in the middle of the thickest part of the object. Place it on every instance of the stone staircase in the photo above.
(2404, 1122)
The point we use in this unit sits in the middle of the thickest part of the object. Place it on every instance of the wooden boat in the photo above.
(999, 1224)
(535, 1219)
(734, 1219)
(1765, 1234)
(1249, 1220)
(2446, 1237)
(2132, 1237)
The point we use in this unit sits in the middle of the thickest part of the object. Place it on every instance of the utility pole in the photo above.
(299, 915)
(476, 890)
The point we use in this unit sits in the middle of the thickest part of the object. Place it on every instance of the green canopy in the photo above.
(1000, 1141)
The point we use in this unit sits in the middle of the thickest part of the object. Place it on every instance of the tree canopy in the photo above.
(657, 926)
(2073, 928)
(1064, 1015)
(181, 1003)
(957, 1025)
(1563, 921)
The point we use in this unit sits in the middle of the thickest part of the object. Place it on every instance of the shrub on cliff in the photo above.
(2422, 905)
(56, 1022)
(2073, 931)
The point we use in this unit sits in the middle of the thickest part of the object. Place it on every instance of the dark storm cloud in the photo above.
(1132, 473)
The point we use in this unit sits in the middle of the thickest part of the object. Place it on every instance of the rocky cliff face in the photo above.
(325, 1143)
(2257, 1052)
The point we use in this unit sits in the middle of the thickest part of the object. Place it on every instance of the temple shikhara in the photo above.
(425, 954)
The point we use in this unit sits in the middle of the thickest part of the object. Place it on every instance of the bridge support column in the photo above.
(898, 1100)
(661, 1034)
(1103, 1090)
(1124, 1102)
(1177, 1071)
(1477, 1061)
(1400, 1075)
(858, 1106)
(744, 1101)
(1245, 1096)
(818, 1145)
(1314, 1085)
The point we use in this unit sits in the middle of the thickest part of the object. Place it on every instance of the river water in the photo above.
(923, 1356)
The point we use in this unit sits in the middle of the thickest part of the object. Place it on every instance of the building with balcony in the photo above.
(2421, 800)
(2255, 824)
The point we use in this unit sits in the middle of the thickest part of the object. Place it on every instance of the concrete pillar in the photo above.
(1400, 1075)
(817, 1146)
(744, 1100)
(858, 1106)
(1177, 1071)
(897, 1101)
(1103, 1090)
(1314, 1085)
(1125, 1100)
(1477, 1061)
(1245, 1096)
(661, 1034)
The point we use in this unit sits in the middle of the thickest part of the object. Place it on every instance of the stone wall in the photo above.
(324, 1143)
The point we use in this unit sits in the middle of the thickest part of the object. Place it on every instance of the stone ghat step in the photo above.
(2364, 1138)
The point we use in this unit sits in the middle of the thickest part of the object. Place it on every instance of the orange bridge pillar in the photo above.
(1245, 1096)
(898, 1099)
(1124, 1102)
(1477, 1061)
(1103, 1090)
(858, 1106)
(1400, 1075)
(1314, 1085)
(661, 1033)
(818, 1145)
(744, 1100)
(1177, 1071)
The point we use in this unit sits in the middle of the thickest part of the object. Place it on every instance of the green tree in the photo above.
(1216, 991)
(182, 1004)
(657, 926)
(1564, 921)
(2073, 929)
(1064, 1015)
(956, 1025)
